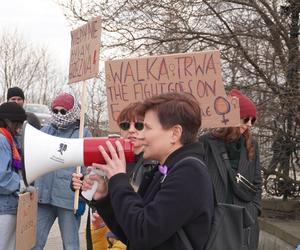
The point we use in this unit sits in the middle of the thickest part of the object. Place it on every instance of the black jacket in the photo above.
(212, 150)
(151, 218)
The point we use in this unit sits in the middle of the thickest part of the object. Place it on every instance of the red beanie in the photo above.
(247, 107)
(64, 100)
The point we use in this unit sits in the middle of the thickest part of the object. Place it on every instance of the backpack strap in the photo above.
(182, 160)
(184, 239)
(190, 158)
(182, 235)
(197, 159)
(88, 233)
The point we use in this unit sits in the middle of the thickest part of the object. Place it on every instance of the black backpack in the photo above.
(229, 222)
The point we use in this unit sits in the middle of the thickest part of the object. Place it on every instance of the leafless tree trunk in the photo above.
(96, 101)
(29, 68)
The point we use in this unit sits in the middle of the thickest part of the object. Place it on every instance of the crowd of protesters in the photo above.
(171, 187)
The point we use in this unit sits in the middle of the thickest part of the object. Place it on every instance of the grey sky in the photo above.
(41, 22)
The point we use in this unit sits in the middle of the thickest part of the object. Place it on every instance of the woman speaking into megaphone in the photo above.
(180, 185)
(131, 126)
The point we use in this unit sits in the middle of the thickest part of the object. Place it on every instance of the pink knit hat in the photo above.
(247, 107)
(64, 100)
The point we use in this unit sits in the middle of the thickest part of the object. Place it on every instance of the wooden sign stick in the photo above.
(81, 130)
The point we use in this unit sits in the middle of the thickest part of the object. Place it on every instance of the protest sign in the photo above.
(84, 65)
(85, 48)
(199, 73)
(26, 221)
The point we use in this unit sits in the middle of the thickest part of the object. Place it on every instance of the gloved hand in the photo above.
(24, 188)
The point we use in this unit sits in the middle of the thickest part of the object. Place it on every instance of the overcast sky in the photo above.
(41, 22)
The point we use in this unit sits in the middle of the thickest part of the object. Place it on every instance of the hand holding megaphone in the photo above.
(115, 163)
(88, 194)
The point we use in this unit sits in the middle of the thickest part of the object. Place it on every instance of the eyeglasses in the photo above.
(62, 111)
(247, 119)
(126, 125)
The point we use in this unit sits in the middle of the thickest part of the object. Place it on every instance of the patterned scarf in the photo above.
(63, 121)
(16, 162)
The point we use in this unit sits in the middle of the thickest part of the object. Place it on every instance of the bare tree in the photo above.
(28, 67)
(95, 117)
(259, 43)
(19, 62)
(33, 69)
(51, 80)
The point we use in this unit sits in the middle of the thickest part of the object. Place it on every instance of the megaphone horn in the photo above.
(45, 153)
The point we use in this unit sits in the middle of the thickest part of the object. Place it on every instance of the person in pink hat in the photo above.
(55, 199)
(232, 157)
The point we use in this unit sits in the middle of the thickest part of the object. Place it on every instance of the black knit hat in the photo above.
(15, 91)
(12, 111)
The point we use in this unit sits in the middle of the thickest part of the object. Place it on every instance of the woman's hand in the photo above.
(88, 182)
(116, 163)
(97, 221)
(76, 181)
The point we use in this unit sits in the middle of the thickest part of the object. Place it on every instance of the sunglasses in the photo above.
(126, 125)
(246, 120)
(62, 111)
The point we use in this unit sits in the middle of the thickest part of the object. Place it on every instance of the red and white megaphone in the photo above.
(45, 153)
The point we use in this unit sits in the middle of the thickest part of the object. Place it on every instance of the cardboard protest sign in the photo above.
(131, 80)
(26, 221)
(85, 48)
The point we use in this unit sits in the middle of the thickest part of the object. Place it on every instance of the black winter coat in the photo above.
(212, 150)
(151, 218)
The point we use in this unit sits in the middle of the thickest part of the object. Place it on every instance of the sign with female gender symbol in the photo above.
(199, 73)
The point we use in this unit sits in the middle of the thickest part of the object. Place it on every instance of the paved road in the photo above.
(54, 240)
(288, 228)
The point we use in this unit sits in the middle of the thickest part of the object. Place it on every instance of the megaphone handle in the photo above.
(88, 194)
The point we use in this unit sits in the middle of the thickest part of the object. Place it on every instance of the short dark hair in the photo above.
(130, 113)
(176, 108)
(12, 111)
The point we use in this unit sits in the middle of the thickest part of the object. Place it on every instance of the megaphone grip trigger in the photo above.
(88, 194)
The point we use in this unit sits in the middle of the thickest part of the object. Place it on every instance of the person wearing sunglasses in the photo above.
(131, 125)
(54, 194)
(232, 152)
(168, 198)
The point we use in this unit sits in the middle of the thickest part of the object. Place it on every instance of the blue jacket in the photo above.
(9, 179)
(54, 187)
